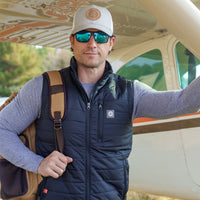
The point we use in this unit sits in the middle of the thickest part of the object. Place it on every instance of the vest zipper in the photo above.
(100, 123)
(87, 138)
(88, 105)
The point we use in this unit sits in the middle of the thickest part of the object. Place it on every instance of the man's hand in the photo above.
(54, 165)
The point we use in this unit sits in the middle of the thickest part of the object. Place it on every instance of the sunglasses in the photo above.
(99, 37)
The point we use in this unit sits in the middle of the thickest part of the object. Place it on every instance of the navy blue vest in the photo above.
(97, 134)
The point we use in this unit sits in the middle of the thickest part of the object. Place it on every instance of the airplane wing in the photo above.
(48, 23)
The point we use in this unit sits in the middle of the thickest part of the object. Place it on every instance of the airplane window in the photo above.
(147, 68)
(188, 65)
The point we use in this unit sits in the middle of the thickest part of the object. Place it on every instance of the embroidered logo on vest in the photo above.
(110, 114)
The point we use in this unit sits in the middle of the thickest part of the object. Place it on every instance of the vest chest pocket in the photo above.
(114, 125)
(100, 123)
(104, 116)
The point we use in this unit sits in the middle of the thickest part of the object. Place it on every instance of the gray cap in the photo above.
(93, 17)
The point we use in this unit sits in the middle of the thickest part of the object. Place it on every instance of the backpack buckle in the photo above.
(57, 124)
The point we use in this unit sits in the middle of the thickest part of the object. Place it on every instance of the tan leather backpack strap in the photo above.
(12, 96)
(57, 105)
(56, 91)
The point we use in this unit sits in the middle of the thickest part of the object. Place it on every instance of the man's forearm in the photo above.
(153, 104)
(14, 119)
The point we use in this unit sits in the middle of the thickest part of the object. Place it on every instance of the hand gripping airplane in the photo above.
(158, 43)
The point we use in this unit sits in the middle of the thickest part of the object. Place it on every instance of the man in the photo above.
(98, 123)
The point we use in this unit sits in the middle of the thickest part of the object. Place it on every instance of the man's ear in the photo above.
(112, 42)
(71, 39)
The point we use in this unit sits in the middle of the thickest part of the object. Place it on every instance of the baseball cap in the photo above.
(93, 16)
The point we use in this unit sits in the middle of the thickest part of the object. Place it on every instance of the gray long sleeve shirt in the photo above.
(25, 108)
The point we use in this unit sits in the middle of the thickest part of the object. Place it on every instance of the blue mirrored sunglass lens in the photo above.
(83, 37)
(101, 38)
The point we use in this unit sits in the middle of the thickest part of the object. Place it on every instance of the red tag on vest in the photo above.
(45, 191)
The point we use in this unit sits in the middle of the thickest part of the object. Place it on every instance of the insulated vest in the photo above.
(97, 135)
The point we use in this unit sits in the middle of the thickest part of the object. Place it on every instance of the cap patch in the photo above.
(93, 14)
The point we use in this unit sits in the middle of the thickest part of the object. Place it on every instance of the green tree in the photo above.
(18, 64)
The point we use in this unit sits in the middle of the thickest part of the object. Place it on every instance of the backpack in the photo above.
(17, 183)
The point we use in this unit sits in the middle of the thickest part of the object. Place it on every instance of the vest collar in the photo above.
(100, 83)
(73, 65)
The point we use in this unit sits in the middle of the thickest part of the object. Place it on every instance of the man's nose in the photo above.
(92, 42)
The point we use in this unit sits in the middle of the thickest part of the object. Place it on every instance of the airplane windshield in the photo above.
(188, 65)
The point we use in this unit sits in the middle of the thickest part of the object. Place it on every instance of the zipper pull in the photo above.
(100, 106)
(88, 105)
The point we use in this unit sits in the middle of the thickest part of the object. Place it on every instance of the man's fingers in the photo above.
(53, 173)
(58, 170)
(69, 159)
(54, 165)
(61, 165)
(65, 159)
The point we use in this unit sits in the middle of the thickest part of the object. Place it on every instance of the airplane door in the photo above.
(191, 148)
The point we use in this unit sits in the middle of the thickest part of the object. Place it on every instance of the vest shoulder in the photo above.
(122, 79)
(65, 70)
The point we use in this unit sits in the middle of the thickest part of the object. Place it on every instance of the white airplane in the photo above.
(157, 43)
